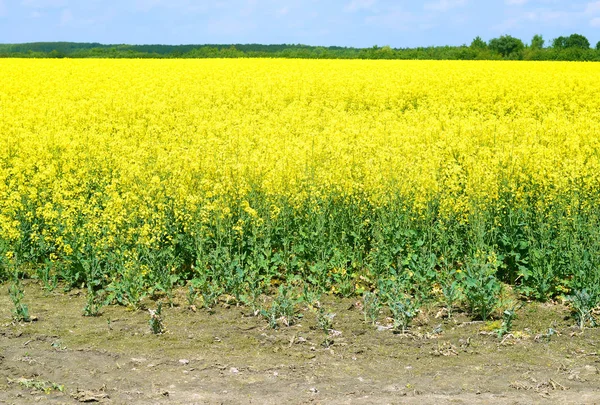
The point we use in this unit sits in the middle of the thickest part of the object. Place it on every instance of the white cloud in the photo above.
(516, 2)
(444, 5)
(357, 5)
(595, 22)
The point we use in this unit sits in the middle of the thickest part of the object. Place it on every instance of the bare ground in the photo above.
(232, 357)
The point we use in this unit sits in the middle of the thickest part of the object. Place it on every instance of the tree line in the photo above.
(575, 47)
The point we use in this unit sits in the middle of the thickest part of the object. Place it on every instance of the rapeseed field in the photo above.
(412, 181)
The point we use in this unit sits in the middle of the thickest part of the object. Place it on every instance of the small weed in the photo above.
(403, 306)
(93, 305)
(403, 312)
(508, 316)
(156, 322)
(129, 291)
(582, 303)
(325, 323)
(210, 293)
(283, 308)
(271, 316)
(38, 385)
(451, 292)
(47, 276)
(311, 297)
(252, 297)
(346, 284)
(251, 301)
(371, 307)
(20, 310)
(192, 295)
(546, 336)
(58, 345)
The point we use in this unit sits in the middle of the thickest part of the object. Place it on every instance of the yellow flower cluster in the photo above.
(122, 149)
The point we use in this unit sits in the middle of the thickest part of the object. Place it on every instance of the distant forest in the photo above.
(572, 48)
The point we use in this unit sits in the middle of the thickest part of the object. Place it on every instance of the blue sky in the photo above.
(361, 23)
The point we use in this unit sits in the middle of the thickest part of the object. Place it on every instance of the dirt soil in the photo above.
(233, 357)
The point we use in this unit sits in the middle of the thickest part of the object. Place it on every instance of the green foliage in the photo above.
(539, 278)
(403, 311)
(583, 302)
(129, 290)
(208, 290)
(210, 295)
(478, 43)
(161, 264)
(559, 42)
(421, 275)
(47, 274)
(450, 285)
(513, 245)
(507, 46)
(4, 260)
(481, 287)
(282, 309)
(537, 42)
(572, 41)
(503, 47)
(403, 306)
(192, 295)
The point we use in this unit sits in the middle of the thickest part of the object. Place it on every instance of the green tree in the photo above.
(506, 45)
(56, 54)
(598, 46)
(385, 52)
(578, 41)
(537, 42)
(572, 41)
(478, 43)
(559, 43)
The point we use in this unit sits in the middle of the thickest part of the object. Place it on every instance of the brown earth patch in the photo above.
(232, 357)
